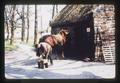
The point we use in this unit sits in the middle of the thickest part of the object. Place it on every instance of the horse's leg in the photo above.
(50, 54)
(51, 61)
(63, 54)
(40, 62)
(55, 53)
(46, 60)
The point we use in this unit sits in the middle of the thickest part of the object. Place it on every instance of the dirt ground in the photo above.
(22, 64)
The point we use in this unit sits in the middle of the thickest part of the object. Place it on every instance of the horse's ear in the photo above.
(60, 32)
(67, 32)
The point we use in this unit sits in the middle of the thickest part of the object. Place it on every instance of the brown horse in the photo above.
(56, 40)
(45, 45)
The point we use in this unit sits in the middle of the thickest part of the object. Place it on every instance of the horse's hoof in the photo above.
(86, 59)
(41, 65)
(38, 64)
(46, 65)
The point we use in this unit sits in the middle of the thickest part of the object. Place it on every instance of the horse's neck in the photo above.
(64, 38)
(60, 38)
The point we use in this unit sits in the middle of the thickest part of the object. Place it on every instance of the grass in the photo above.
(9, 47)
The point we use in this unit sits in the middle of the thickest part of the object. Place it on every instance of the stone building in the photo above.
(104, 21)
(91, 28)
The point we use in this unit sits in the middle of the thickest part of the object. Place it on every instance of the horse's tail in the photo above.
(42, 48)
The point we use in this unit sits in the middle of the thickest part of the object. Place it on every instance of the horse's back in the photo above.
(42, 39)
(50, 39)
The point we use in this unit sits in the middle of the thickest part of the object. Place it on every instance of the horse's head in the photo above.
(64, 32)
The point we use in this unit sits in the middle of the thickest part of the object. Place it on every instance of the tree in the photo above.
(8, 16)
(36, 26)
(27, 23)
(12, 25)
(23, 24)
(7, 22)
(16, 21)
(56, 8)
(53, 11)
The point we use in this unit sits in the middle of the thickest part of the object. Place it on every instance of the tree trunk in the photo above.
(23, 24)
(53, 12)
(7, 29)
(12, 25)
(7, 23)
(36, 26)
(56, 8)
(27, 23)
(8, 34)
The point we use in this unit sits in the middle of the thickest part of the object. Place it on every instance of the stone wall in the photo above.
(104, 20)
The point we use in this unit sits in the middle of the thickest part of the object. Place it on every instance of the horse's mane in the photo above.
(40, 50)
(63, 32)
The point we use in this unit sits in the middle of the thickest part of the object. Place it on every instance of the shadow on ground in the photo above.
(20, 73)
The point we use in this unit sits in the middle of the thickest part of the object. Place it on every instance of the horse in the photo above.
(56, 40)
(47, 43)
(44, 51)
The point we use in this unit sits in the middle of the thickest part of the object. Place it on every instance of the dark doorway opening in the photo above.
(80, 42)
